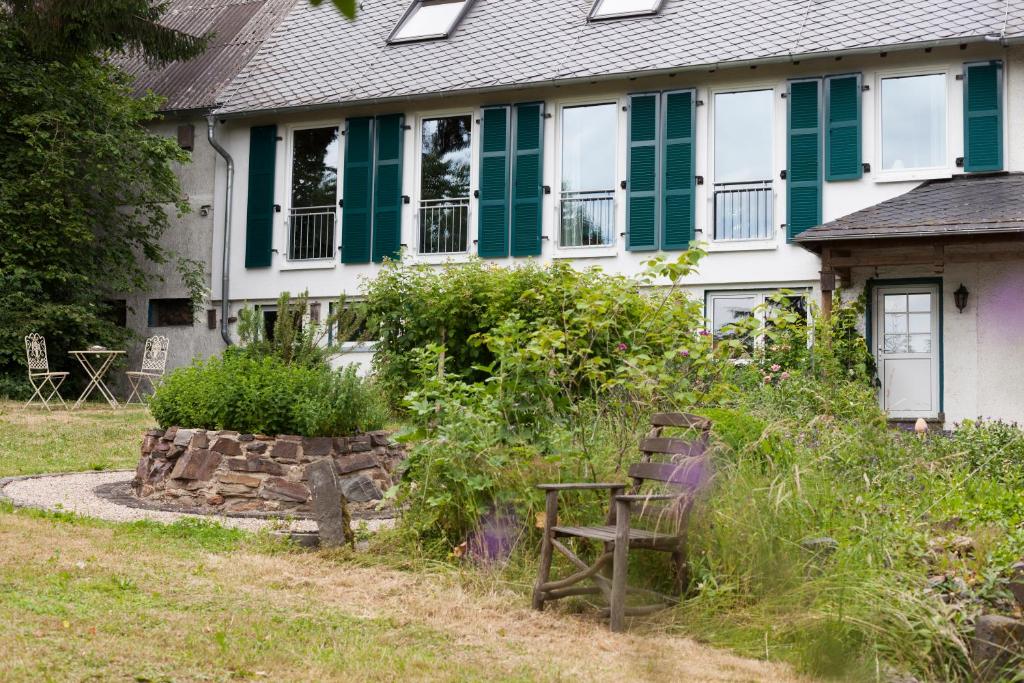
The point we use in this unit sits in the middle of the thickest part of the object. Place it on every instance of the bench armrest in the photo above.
(581, 486)
(640, 497)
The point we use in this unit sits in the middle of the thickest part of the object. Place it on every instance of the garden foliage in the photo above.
(825, 538)
(281, 383)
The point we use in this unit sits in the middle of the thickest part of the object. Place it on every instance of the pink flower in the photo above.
(767, 379)
(622, 346)
(703, 333)
(684, 353)
(776, 367)
(784, 375)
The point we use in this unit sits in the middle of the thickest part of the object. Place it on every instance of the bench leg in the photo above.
(680, 570)
(546, 548)
(620, 567)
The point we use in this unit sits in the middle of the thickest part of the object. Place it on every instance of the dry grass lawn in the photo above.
(88, 600)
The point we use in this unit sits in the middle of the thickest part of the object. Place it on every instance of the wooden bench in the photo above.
(682, 466)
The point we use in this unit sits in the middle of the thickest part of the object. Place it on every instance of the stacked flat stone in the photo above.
(252, 473)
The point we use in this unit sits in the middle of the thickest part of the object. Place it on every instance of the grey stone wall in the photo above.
(211, 471)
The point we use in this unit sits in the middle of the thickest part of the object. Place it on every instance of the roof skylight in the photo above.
(429, 20)
(613, 9)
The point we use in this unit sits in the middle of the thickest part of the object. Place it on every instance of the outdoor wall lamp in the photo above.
(960, 297)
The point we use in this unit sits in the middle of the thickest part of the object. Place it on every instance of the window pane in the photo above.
(587, 201)
(743, 136)
(315, 167)
(431, 18)
(445, 158)
(607, 8)
(588, 148)
(728, 310)
(914, 122)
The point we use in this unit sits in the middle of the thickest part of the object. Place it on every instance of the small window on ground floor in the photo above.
(350, 327)
(727, 308)
(170, 312)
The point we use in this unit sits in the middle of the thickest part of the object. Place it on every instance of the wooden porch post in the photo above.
(828, 283)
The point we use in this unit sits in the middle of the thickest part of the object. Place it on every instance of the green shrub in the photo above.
(264, 395)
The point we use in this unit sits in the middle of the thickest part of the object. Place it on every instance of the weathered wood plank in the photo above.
(667, 446)
(684, 420)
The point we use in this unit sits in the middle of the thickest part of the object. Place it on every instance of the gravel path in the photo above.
(76, 493)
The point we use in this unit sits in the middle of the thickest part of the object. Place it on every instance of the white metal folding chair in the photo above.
(154, 362)
(39, 375)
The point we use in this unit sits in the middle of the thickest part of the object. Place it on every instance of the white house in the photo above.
(606, 131)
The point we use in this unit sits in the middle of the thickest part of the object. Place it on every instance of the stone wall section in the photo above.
(231, 472)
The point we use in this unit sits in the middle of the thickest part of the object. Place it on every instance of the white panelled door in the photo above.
(907, 349)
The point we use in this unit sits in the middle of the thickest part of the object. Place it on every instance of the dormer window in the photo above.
(429, 20)
(615, 9)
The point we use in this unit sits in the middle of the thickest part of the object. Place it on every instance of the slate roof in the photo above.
(240, 27)
(963, 205)
(317, 57)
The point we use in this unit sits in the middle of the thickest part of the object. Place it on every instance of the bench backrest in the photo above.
(681, 464)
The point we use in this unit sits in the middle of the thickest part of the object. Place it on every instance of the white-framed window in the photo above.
(913, 123)
(587, 167)
(349, 339)
(727, 307)
(614, 9)
(313, 194)
(742, 163)
(444, 167)
(429, 20)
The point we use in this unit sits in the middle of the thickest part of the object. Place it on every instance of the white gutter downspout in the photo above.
(225, 281)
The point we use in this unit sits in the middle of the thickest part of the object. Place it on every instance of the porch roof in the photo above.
(962, 206)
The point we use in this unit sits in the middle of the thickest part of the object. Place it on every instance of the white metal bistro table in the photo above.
(96, 363)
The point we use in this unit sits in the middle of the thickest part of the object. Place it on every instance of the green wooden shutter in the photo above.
(983, 116)
(679, 180)
(387, 188)
(803, 174)
(527, 179)
(842, 134)
(492, 227)
(357, 191)
(259, 219)
(642, 172)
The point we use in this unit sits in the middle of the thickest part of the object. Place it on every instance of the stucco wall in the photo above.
(190, 236)
(983, 370)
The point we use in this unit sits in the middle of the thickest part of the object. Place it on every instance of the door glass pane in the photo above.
(920, 302)
(445, 160)
(920, 343)
(914, 122)
(587, 196)
(895, 323)
(895, 343)
(895, 303)
(921, 323)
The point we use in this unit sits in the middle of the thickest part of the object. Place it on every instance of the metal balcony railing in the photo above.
(311, 233)
(743, 211)
(587, 218)
(444, 225)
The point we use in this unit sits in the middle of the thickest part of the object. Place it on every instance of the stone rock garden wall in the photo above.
(224, 471)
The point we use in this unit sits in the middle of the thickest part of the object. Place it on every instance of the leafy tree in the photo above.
(86, 190)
